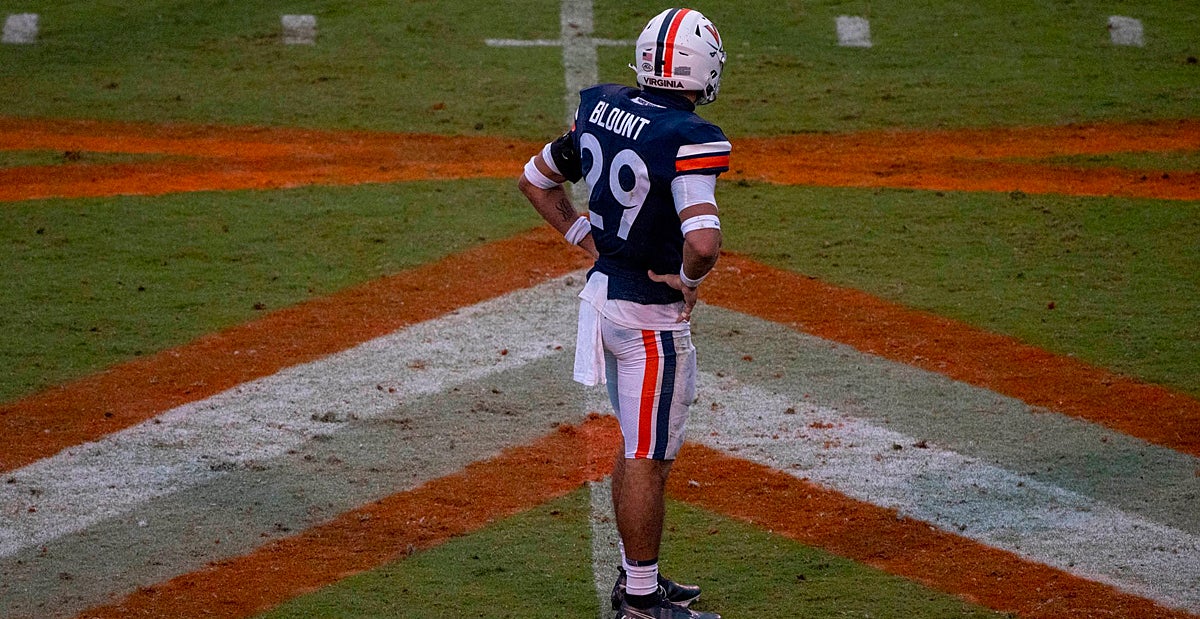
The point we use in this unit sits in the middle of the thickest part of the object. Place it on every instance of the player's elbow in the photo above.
(705, 244)
(529, 189)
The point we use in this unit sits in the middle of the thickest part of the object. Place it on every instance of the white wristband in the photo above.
(689, 282)
(578, 230)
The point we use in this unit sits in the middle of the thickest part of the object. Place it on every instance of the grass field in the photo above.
(96, 282)
(1043, 66)
(760, 574)
(88, 284)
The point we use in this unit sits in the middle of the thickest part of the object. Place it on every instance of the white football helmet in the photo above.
(680, 49)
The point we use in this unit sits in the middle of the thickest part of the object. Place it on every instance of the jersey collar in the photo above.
(667, 98)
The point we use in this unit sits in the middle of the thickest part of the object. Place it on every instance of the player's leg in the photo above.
(637, 484)
(651, 379)
(644, 370)
(638, 489)
(679, 593)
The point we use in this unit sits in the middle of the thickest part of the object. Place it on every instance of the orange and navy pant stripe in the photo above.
(658, 393)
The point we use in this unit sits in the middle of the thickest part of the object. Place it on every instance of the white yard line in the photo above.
(962, 495)
(578, 50)
(263, 419)
(605, 553)
(579, 72)
(550, 42)
(578, 58)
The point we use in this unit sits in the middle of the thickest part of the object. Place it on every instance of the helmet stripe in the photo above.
(660, 43)
(669, 45)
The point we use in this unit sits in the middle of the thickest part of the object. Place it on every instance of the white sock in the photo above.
(641, 579)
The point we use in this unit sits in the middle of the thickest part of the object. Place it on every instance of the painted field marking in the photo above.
(263, 419)
(853, 31)
(958, 494)
(580, 71)
(382, 531)
(20, 29)
(750, 280)
(578, 50)
(232, 158)
(578, 59)
(983, 160)
(235, 158)
(551, 42)
(606, 555)
(960, 351)
(299, 29)
(811, 514)
(775, 294)
(370, 536)
(1125, 31)
(125, 395)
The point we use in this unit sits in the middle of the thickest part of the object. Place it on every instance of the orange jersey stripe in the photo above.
(699, 163)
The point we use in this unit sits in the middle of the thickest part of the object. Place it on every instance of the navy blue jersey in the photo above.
(628, 145)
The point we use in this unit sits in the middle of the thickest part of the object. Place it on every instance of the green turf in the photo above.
(423, 66)
(1112, 281)
(747, 572)
(406, 65)
(538, 564)
(21, 158)
(1176, 161)
(90, 283)
(937, 64)
(1119, 272)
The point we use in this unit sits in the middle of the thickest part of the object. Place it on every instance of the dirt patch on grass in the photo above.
(978, 160)
(228, 158)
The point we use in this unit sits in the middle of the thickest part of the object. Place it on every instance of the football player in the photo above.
(650, 166)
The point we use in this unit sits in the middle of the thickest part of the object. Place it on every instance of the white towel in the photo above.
(589, 346)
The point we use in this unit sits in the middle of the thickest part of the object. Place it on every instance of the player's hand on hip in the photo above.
(690, 295)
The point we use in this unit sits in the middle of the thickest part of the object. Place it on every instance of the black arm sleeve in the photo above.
(566, 158)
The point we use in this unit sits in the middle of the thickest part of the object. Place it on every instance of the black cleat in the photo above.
(665, 609)
(674, 592)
